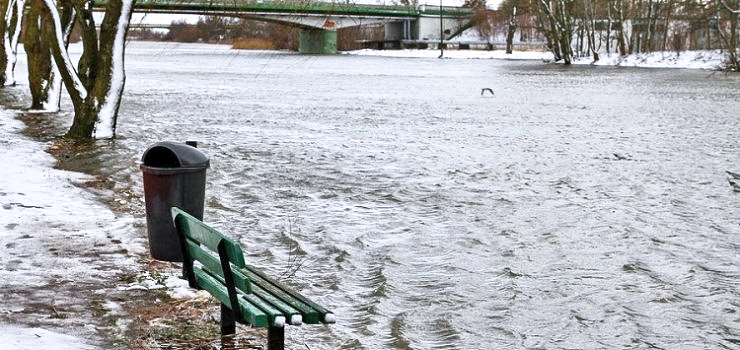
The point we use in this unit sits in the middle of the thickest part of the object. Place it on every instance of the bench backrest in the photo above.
(220, 258)
(221, 270)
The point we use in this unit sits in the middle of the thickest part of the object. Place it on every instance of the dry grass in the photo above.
(186, 324)
(160, 322)
(253, 44)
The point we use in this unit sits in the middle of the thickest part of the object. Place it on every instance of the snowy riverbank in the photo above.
(63, 251)
(709, 60)
(72, 268)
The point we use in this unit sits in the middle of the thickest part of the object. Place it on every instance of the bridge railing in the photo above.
(292, 6)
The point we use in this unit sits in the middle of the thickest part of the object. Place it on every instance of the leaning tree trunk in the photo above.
(3, 48)
(96, 86)
(44, 79)
(13, 23)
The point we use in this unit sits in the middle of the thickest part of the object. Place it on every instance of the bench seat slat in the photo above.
(212, 264)
(198, 231)
(325, 315)
(310, 315)
(284, 308)
(272, 312)
(254, 304)
(250, 313)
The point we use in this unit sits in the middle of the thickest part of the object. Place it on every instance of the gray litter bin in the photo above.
(174, 176)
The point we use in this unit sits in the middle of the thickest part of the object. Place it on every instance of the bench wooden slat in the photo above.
(310, 315)
(278, 289)
(277, 318)
(250, 313)
(292, 315)
(200, 232)
(213, 265)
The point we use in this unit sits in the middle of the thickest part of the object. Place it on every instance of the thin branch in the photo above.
(728, 8)
(61, 56)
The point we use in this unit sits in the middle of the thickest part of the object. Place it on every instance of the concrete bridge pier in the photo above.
(318, 41)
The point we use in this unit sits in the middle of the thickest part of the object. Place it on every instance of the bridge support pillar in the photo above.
(318, 41)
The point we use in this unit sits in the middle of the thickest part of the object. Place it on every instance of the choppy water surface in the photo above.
(579, 208)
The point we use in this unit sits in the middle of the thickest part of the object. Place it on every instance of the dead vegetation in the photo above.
(184, 323)
(253, 44)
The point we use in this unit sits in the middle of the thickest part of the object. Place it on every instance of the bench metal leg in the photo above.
(275, 338)
(228, 323)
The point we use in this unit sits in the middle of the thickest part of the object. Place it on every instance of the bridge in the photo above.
(319, 21)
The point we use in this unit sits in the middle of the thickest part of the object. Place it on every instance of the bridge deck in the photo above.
(292, 8)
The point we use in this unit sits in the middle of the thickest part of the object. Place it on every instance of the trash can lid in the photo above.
(169, 154)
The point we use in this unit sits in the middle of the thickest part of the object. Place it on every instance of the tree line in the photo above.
(578, 28)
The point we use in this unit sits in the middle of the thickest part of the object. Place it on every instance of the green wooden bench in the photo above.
(215, 263)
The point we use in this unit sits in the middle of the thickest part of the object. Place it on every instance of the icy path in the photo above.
(63, 252)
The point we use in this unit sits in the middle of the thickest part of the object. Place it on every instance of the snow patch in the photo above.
(688, 59)
(47, 221)
(175, 286)
(456, 54)
(21, 338)
(666, 59)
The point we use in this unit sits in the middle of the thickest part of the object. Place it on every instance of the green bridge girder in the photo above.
(292, 8)
(318, 20)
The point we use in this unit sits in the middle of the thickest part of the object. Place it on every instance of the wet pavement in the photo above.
(64, 254)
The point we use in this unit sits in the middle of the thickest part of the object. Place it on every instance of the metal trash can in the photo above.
(174, 176)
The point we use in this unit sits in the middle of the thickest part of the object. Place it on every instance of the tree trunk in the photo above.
(650, 28)
(14, 21)
(621, 37)
(40, 67)
(95, 88)
(608, 29)
(3, 47)
(511, 31)
(730, 40)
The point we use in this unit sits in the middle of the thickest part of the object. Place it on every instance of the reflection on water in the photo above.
(579, 207)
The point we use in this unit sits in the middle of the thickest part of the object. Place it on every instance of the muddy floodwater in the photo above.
(577, 208)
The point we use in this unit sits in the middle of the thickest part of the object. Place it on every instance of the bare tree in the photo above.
(510, 7)
(557, 26)
(96, 86)
(619, 7)
(729, 12)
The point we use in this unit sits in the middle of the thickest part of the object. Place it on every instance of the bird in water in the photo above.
(483, 91)
(734, 180)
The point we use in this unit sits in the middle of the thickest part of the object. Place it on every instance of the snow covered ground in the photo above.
(687, 59)
(24, 338)
(61, 249)
(63, 253)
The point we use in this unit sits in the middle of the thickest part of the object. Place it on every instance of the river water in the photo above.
(578, 208)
